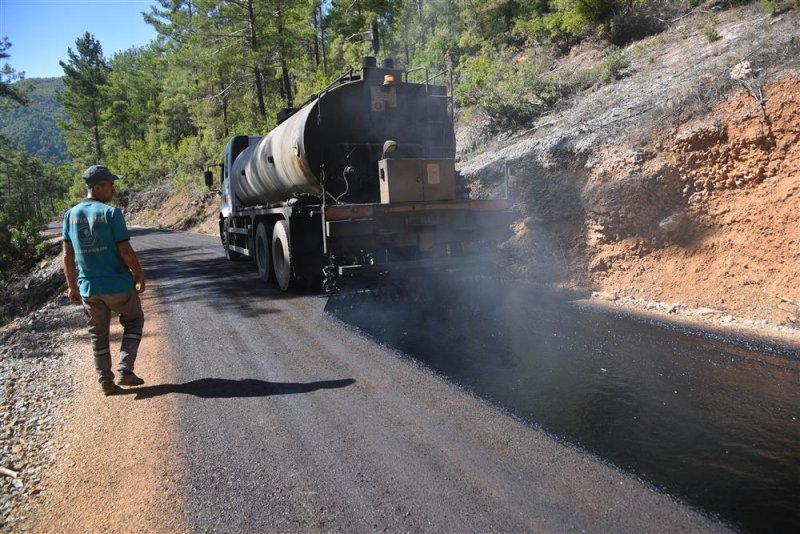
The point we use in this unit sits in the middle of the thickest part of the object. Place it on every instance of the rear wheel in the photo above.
(262, 246)
(232, 255)
(282, 257)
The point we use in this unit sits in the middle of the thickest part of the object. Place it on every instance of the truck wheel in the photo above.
(229, 254)
(282, 256)
(262, 247)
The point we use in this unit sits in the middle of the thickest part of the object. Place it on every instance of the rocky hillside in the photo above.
(192, 208)
(676, 187)
(679, 183)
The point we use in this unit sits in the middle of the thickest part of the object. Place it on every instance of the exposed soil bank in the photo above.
(675, 188)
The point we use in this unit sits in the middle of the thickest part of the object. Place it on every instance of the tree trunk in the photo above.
(287, 84)
(262, 108)
(98, 151)
(224, 105)
(316, 39)
(322, 40)
(251, 20)
(282, 57)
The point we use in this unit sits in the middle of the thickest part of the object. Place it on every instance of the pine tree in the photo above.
(84, 99)
(9, 95)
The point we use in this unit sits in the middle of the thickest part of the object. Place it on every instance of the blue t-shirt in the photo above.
(94, 229)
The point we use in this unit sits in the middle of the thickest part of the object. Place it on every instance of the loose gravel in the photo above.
(35, 356)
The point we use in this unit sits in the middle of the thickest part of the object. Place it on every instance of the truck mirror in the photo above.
(209, 177)
(388, 147)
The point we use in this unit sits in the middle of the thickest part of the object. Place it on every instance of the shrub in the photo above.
(769, 6)
(510, 88)
(565, 22)
(613, 66)
(710, 31)
(633, 24)
(19, 244)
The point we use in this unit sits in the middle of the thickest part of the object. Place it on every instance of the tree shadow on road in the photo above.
(221, 388)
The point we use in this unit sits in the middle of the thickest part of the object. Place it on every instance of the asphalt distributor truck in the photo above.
(358, 184)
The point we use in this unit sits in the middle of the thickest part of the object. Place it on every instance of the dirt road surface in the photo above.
(261, 414)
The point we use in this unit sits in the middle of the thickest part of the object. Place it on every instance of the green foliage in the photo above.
(192, 157)
(636, 20)
(143, 163)
(133, 94)
(24, 239)
(490, 20)
(355, 20)
(29, 187)
(709, 29)
(768, 6)
(29, 191)
(532, 29)
(565, 22)
(613, 66)
(76, 190)
(19, 244)
(9, 95)
(512, 88)
(34, 126)
(84, 99)
(568, 22)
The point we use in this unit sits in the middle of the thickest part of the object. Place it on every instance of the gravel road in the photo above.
(262, 413)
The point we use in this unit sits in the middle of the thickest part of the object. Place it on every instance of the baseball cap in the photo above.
(98, 173)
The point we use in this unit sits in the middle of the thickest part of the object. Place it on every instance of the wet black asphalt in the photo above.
(278, 421)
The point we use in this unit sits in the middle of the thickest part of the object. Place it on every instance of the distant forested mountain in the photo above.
(33, 127)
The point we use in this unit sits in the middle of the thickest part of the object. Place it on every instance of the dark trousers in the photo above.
(98, 310)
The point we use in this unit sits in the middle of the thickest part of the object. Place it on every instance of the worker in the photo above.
(107, 278)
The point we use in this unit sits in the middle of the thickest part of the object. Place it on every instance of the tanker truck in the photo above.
(358, 183)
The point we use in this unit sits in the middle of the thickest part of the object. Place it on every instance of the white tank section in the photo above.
(277, 167)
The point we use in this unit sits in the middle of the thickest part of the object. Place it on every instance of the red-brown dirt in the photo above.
(737, 244)
(706, 215)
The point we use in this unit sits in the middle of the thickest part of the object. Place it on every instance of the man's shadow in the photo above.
(222, 388)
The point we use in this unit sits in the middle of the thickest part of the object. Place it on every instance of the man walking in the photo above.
(107, 278)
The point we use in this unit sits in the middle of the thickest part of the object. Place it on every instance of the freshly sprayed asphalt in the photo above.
(289, 420)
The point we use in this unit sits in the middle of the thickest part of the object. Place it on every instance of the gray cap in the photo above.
(98, 173)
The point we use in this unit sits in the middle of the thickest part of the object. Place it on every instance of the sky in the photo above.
(40, 31)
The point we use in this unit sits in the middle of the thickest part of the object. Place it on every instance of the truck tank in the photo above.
(280, 164)
(341, 134)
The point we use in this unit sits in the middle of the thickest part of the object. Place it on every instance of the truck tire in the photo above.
(229, 254)
(262, 252)
(282, 256)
